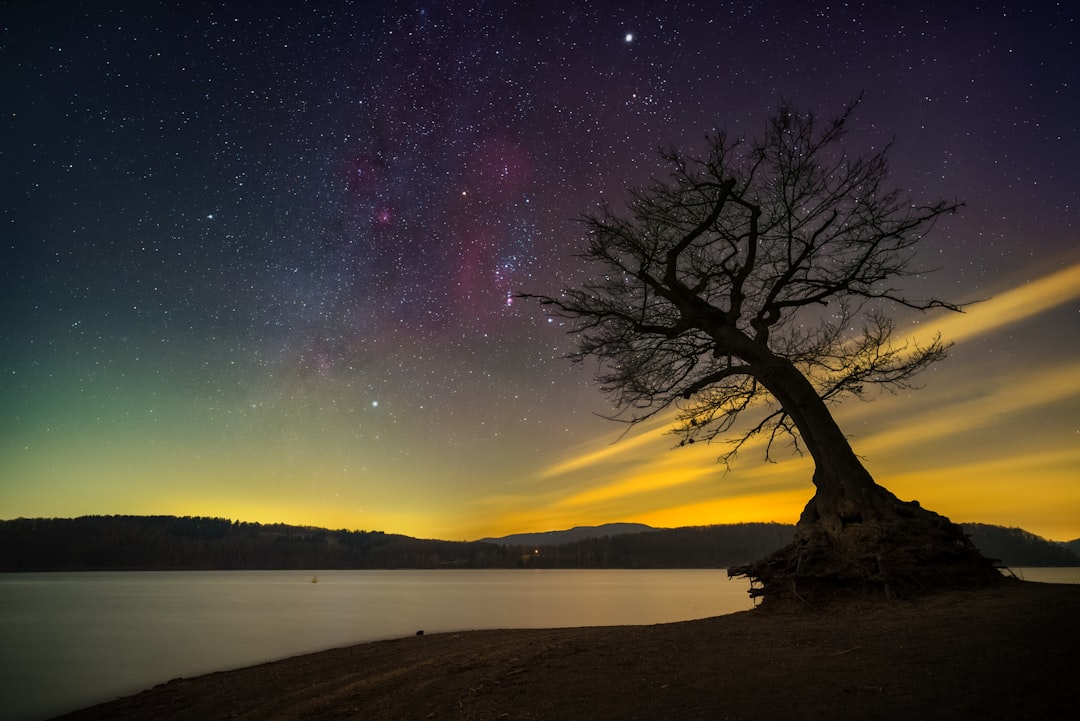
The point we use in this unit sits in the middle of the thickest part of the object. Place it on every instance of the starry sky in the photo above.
(259, 258)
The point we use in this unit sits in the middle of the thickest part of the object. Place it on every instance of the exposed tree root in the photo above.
(908, 552)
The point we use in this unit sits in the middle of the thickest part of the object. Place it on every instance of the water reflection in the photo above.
(72, 639)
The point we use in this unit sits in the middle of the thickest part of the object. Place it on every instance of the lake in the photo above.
(69, 640)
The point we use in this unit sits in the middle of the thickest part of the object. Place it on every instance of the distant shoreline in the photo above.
(1007, 652)
(153, 543)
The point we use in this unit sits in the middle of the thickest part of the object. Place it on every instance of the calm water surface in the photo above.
(68, 640)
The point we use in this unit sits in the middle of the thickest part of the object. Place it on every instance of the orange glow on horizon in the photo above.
(995, 447)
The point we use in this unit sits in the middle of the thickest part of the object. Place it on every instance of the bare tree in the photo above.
(755, 283)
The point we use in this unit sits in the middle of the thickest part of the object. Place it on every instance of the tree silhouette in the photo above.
(755, 282)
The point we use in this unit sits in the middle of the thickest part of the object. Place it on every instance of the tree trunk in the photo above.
(853, 532)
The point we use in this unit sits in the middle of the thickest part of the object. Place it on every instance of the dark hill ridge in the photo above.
(1017, 547)
(577, 533)
(193, 543)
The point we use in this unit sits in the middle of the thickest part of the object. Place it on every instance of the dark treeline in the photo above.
(1017, 547)
(691, 547)
(172, 543)
(192, 543)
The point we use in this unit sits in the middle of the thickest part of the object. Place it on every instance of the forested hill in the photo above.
(1017, 547)
(172, 543)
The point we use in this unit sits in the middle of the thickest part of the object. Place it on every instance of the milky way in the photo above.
(261, 262)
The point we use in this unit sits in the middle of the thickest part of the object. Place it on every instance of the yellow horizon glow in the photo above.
(952, 445)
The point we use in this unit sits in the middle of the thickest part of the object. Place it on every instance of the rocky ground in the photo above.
(1006, 653)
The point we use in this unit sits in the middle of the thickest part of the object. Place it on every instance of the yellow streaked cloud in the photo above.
(1010, 467)
(650, 474)
(599, 450)
(602, 477)
(1009, 396)
(1009, 307)
(1039, 486)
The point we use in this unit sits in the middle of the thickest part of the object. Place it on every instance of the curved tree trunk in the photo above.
(854, 532)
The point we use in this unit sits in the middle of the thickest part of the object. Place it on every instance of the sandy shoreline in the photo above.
(1007, 653)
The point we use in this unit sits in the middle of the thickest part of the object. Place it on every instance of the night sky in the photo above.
(259, 259)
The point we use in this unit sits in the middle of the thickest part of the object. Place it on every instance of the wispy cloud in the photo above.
(641, 470)
(607, 448)
(1006, 308)
(1001, 398)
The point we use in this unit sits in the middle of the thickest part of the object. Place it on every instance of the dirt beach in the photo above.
(1005, 653)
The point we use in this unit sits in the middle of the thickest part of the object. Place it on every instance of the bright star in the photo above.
(629, 37)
